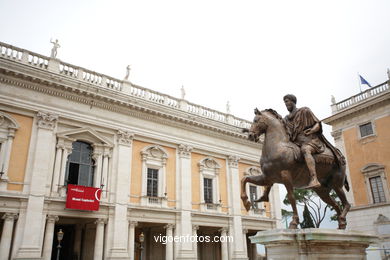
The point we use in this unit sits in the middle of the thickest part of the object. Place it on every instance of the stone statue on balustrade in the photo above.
(56, 45)
(128, 68)
(296, 153)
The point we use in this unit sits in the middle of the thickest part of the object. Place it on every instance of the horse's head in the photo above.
(258, 127)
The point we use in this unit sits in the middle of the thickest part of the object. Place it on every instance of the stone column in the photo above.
(77, 241)
(236, 228)
(195, 229)
(169, 245)
(6, 236)
(57, 165)
(65, 152)
(185, 197)
(98, 158)
(99, 238)
(49, 233)
(122, 194)
(224, 245)
(31, 242)
(244, 232)
(106, 160)
(6, 154)
(132, 225)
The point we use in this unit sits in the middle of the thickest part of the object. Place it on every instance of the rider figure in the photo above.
(304, 129)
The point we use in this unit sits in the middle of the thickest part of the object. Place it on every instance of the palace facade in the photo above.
(361, 126)
(165, 167)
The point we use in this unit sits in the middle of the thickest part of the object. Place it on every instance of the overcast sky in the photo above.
(250, 53)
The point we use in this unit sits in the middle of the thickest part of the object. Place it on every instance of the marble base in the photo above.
(313, 244)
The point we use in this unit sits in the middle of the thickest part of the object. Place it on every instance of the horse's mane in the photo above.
(273, 112)
(277, 116)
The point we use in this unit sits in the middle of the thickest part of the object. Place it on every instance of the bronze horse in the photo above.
(281, 162)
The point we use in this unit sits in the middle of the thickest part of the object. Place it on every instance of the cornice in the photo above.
(143, 111)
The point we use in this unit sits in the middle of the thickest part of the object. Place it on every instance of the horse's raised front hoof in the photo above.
(247, 205)
(342, 223)
(263, 198)
(294, 222)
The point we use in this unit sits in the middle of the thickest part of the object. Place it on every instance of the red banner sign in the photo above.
(83, 198)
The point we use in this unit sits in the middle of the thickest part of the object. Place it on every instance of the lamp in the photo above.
(141, 238)
(60, 236)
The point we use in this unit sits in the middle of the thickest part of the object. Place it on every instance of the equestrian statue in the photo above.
(296, 154)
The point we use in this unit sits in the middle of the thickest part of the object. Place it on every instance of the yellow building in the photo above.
(361, 126)
(166, 168)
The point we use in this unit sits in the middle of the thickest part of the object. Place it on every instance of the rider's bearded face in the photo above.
(290, 105)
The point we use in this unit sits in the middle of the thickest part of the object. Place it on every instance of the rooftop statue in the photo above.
(56, 45)
(296, 154)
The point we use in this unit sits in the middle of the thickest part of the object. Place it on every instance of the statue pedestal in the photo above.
(313, 243)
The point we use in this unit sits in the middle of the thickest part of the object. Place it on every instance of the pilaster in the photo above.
(120, 229)
(236, 228)
(31, 245)
(186, 248)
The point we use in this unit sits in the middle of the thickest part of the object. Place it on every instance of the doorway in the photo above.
(66, 252)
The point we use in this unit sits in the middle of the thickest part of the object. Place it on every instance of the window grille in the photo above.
(366, 130)
(208, 190)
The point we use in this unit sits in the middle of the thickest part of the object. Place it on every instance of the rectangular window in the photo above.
(253, 195)
(152, 183)
(366, 130)
(378, 194)
(208, 190)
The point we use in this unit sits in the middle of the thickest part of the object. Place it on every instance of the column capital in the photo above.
(125, 137)
(337, 134)
(46, 120)
(11, 132)
(184, 150)
(245, 231)
(233, 161)
(100, 221)
(133, 223)
(195, 227)
(10, 216)
(223, 230)
(169, 226)
(52, 218)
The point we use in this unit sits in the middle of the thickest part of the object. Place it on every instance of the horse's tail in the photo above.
(346, 184)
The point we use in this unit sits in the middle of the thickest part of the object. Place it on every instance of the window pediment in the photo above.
(372, 168)
(154, 152)
(209, 164)
(7, 122)
(85, 134)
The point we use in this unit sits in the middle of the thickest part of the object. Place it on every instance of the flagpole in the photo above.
(360, 84)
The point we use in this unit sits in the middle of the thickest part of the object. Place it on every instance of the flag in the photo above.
(364, 82)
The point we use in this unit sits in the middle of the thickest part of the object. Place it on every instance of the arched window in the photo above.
(80, 165)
